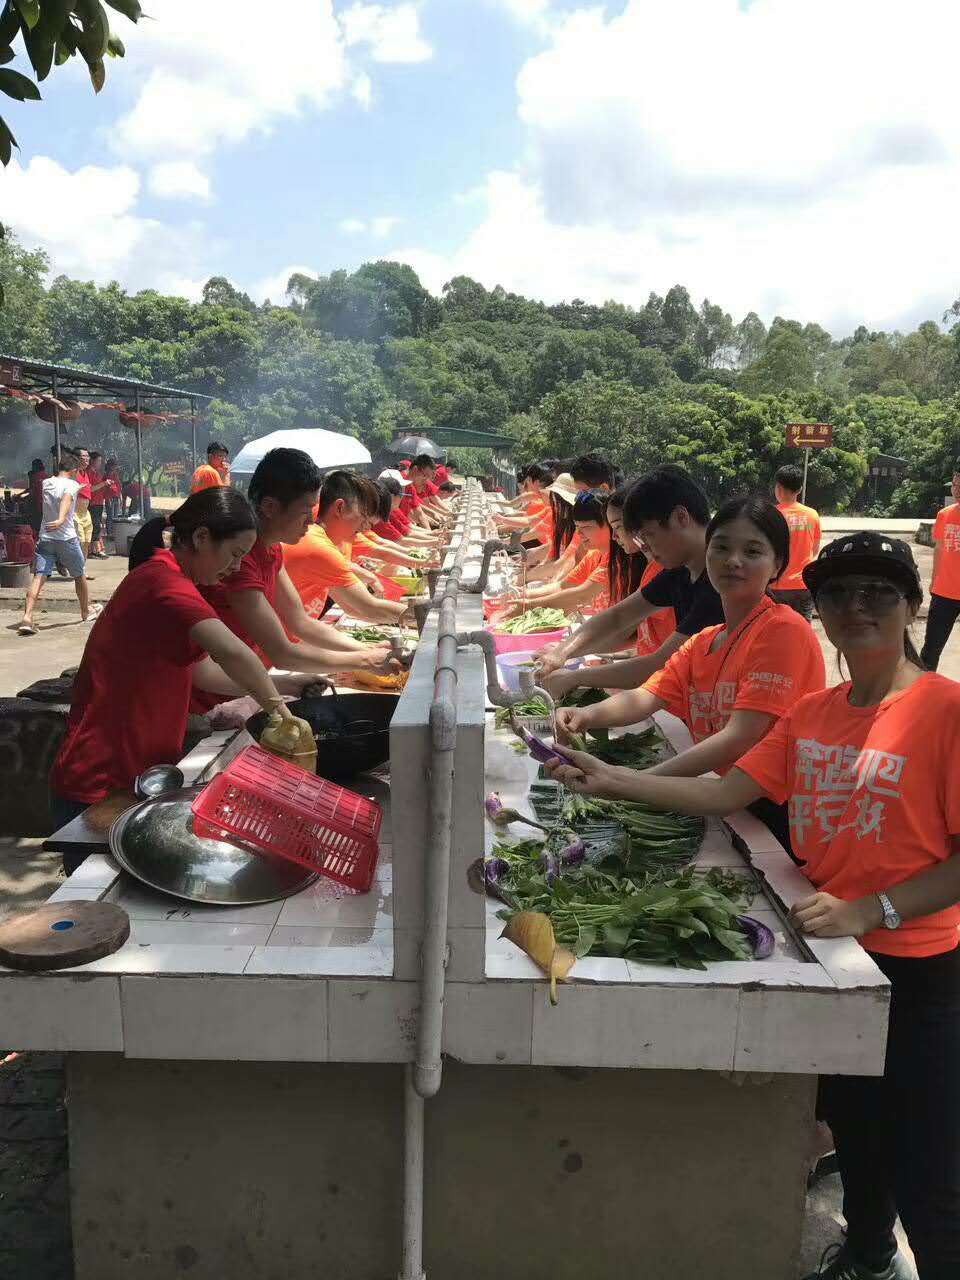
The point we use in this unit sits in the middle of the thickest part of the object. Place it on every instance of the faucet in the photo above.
(489, 547)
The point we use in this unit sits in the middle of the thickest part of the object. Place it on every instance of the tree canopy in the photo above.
(53, 32)
(372, 353)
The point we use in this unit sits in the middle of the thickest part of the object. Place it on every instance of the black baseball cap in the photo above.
(864, 552)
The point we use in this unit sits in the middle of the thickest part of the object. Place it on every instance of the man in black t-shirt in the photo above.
(670, 513)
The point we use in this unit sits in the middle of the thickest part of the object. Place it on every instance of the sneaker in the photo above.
(838, 1263)
(26, 629)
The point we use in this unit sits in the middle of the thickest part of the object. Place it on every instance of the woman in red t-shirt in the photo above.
(869, 769)
(141, 654)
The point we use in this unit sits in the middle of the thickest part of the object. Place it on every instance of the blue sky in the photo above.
(560, 148)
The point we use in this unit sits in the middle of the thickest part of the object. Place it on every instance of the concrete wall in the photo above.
(293, 1172)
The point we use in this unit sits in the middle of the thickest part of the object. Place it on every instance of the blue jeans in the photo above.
(51, 552)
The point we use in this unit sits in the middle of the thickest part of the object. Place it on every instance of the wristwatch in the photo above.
(891, 916)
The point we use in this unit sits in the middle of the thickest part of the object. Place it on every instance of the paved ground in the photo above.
(34, 1213)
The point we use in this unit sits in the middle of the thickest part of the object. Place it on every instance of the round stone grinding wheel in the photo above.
(59, 935)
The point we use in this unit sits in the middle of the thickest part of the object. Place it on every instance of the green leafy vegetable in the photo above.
(683, 919)
(534, 620)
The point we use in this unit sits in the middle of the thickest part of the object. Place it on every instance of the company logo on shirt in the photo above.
(951, 537)
(843, 789)
(710, 709)
(797, 522)
(772, 679)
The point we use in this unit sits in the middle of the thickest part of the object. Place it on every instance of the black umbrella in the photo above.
(411, 446)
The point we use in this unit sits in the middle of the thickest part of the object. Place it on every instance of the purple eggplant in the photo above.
(494, 807)
(539, 749)
(573, 854)
(761, 938)
(494, 869)
(550, 865)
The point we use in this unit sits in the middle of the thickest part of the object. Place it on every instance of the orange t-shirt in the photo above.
(946, 534)
(206, 477)
(543, 529)
(873, 797)
(660, 626)
(804, 524)
(314, 565)
(593, 567)
(772, 659)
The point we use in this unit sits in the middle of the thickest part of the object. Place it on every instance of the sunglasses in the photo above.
(876, 597)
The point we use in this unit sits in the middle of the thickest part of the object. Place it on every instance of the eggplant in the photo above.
(761, 938)
(539, 749)
(573, 854)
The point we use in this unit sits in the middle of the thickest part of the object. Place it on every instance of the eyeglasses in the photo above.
(877, 597)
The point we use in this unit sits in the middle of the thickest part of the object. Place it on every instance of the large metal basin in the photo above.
(155, 842)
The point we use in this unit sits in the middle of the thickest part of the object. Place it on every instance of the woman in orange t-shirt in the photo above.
(731, 683)
(869, 769)
(583, 585)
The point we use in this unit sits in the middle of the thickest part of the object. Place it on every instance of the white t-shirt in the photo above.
(53, 490)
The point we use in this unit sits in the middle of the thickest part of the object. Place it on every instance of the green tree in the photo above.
(52, 32)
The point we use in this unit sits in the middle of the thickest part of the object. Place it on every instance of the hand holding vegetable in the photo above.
(823, 916)
(572, 720)
(548, 661)
(378, 660)
(584, 774)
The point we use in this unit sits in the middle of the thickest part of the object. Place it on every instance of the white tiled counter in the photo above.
(236, 1102)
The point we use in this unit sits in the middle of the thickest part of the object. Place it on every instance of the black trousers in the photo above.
(799, 601)
(943, 614)
(897, 1136)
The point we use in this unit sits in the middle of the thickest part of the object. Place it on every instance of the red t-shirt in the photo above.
(132, 691)
(400, 522)
(384, 529)
(96, 499)
(427, 490)
(258, 571)
(83, 480)
(442, 475)
(410, 500)
(873, 797)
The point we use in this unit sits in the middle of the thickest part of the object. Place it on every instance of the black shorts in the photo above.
(96, 516)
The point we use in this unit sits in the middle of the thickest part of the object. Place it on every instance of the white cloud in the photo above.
(86, 219)
(362, 90)
(530, 13)
(179, 180)
(379, 227)
(726, 164)
(391, 34)
(383, 226)
(275, 287)
(208, 77)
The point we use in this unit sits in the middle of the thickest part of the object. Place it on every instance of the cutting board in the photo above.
(59, 935)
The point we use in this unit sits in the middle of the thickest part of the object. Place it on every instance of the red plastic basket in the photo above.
(275, 807)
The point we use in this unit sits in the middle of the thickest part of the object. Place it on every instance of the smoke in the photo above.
(23, 437)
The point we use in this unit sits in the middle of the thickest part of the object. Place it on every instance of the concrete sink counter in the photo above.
(236, 1077)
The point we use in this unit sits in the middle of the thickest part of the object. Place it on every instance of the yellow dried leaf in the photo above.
(532, 932)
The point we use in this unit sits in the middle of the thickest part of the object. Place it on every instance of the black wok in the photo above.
(360, 723)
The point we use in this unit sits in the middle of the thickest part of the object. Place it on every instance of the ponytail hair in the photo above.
(625, 569)
(222, 511)
(563, 526)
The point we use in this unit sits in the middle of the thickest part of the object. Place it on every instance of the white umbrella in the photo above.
(326, 448)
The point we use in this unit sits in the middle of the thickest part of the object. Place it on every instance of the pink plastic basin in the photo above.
(503, 642)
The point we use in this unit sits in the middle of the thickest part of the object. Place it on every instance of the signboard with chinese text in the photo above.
(10, 374)
(173, 469)
(809, 435)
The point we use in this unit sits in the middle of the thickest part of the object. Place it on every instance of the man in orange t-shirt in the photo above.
(945, 588)
(215, 472)
(318, 566)
(804, 524)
